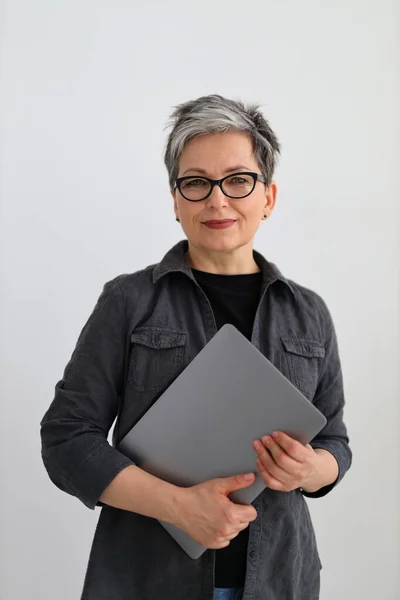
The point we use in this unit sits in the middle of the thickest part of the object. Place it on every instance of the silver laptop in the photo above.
(203, 425)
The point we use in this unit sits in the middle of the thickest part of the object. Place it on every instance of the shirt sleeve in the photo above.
(74, 430)
(329, 399)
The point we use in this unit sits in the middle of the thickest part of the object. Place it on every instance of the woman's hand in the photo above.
(209, 517)
(285, 464)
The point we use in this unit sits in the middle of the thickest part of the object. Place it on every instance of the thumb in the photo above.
(236, 482)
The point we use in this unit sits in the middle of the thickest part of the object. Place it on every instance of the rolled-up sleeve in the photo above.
(74, 429)
(330, 400)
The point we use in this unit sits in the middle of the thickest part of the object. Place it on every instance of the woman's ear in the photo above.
(176, 211)
(270, 198)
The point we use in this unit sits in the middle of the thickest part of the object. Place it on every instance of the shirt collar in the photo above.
(176, 260)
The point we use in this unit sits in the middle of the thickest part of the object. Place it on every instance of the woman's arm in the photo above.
(74, 430)
(325, 474)
(137, 491)
(332, 443)
(285, 464)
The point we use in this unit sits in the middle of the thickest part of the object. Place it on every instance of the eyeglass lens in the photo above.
(236, 186)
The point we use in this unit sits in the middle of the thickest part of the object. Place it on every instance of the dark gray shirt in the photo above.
(144, 330)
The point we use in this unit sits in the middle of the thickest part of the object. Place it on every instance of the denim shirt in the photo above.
(144, 330)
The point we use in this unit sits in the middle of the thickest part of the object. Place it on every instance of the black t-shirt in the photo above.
(234, 300)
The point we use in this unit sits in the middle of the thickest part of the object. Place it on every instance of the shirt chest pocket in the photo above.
(156, 358)
(304, 358)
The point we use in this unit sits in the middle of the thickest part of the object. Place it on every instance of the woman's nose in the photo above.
(217, 198)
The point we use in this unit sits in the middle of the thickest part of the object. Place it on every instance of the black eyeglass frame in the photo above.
(256, 177)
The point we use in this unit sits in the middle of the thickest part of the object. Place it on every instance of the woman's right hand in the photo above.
(209, 517)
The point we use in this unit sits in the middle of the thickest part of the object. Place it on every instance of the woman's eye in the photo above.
(238, 180)
(194, 182)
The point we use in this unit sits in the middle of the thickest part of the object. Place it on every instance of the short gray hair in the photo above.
(216, 114)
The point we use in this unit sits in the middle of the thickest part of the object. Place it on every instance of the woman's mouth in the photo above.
(219, 224)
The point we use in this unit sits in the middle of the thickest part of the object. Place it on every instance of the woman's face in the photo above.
(215, 156)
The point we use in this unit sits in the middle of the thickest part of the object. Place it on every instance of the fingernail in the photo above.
(257, 445)
(275, 435)
(248, 476)
(267, 440)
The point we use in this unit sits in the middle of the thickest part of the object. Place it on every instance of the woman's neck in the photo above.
(238, 262)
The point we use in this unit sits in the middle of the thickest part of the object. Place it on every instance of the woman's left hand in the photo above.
(284, 463)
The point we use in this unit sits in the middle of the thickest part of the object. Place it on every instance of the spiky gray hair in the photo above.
(216, 114)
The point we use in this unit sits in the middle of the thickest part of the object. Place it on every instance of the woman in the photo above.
(145, 328)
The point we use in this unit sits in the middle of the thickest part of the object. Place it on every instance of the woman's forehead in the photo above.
(221, 152)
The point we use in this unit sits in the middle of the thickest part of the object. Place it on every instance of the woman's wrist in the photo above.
(325, 473)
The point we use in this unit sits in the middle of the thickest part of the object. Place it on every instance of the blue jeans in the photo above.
(228, 593)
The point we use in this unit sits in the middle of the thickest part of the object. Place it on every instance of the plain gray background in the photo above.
(86, 88)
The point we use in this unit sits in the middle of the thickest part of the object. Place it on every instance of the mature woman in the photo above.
(145, 328)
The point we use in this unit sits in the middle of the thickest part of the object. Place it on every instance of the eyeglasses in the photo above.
(238, 185)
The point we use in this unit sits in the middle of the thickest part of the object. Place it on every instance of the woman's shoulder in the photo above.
(309, 300)
(132, 286)
(125, 280)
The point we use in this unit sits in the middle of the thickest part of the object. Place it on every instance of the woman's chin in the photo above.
(223, 244)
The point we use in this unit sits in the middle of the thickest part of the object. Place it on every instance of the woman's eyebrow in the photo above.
(203, 171)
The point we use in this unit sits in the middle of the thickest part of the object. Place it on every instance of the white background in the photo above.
(86, 88)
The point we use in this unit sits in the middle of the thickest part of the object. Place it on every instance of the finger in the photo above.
(280, 456)
(238, 528)
(292, 447)
(235, 482)
(230, 537)
(220, 545)
(264, 454)
(273, 468)
(268, 479)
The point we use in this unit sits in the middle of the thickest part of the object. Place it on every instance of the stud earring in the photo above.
(177, 220)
